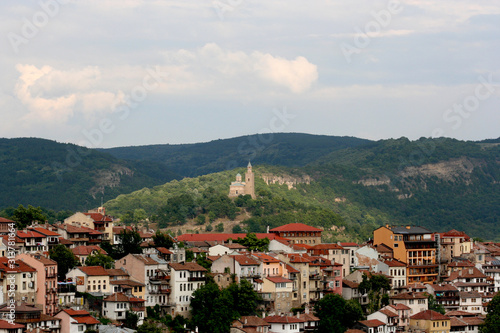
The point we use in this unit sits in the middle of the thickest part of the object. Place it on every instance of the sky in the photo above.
(108, 73)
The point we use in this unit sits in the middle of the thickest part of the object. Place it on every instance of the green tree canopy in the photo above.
(376, 286)
(163, 239)
(253, 243)
(331, 311)
(213, 309)
(492, 321)
(149, 327)
(65, 259)
(130, 242)
(24, 216)
(433, 305)
(100, 259)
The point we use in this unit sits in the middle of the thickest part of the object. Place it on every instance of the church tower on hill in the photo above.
(240, 187)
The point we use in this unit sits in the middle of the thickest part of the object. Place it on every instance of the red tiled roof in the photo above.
(265, 257)
(471, 272)
(388, 313)
(72, 312)
(116, 297)
(164, 250)
(46, 232)
(297, 258)
(94, 270)
(278, 279)
(245, 261)
(6, 325)
(221, 237)
(283, 319)
(188, 266)
(29, 234)
(290, 269)
(332, 246)
(429, 315)
(400, 306)
(98, 217)
(351, 244)
(83, 250)
(394, 263)
(350, 284)
(20, 266)
(410, 295)
(455, 233)
(89, 320)
(372, 323)
(4, 220)
(295, 227)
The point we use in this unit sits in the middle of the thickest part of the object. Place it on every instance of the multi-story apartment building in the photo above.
(298, 233)
(333, 252)
(145, 268)
(184, 280)
(277, 294)
(22, 276)
(94, 219)
(454, 244)
(116, 306)
(91, 279)
(415, 246)
(46, 282)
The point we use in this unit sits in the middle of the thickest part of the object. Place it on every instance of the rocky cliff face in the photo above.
(109, 178)
(290, 181)
(459, 169)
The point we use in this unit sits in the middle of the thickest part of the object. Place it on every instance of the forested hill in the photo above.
(441, 184)
(285, 149)
(64, 176)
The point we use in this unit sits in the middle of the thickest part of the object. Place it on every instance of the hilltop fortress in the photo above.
(240, 187)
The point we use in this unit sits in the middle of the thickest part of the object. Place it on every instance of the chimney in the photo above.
(298, 315)
(230, 241)
(246, 321)
(471, 271)
(306, 310)
(387, 225)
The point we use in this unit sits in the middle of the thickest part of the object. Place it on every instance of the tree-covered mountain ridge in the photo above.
(437, 183)
(68, 177)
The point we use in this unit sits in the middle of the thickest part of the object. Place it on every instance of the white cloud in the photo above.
(54, 96)
(216, 67)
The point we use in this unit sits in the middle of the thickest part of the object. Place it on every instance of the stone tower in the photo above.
(249, 181)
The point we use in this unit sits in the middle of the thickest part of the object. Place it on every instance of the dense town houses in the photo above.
(297, 270)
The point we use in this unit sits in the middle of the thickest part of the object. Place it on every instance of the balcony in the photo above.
(50, 275)
(160, 291)
(315, 276)
(199, 278)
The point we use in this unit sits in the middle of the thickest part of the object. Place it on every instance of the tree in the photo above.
(353, 312)
(100, 259)
(130, 242)
(65, 259)
(131, 320)
(376, 286)
(219, 227)
(253, 243)
(201, 259)
(492, 321)
(433, 305)
(149, 327)
(331, 311)
(24, 216)
(213, 309)
(245, 299)
(200, 219)
(163, 240)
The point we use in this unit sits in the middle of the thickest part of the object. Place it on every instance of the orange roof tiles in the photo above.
(283, 319)
(94, 270)
(372, 323)
(222, 237)
(278, 279)
(295, 227)
(83, 250)
(429, 315)
(188, 266)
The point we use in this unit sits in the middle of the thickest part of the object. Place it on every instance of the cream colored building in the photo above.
(90, 279)
(277, 294)
(429, 321)
(243, 187)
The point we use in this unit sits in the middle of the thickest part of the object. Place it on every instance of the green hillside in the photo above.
(285, 149)
(437, 183)
(64, 176)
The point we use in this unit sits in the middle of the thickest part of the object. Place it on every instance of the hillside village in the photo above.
(294, 273)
